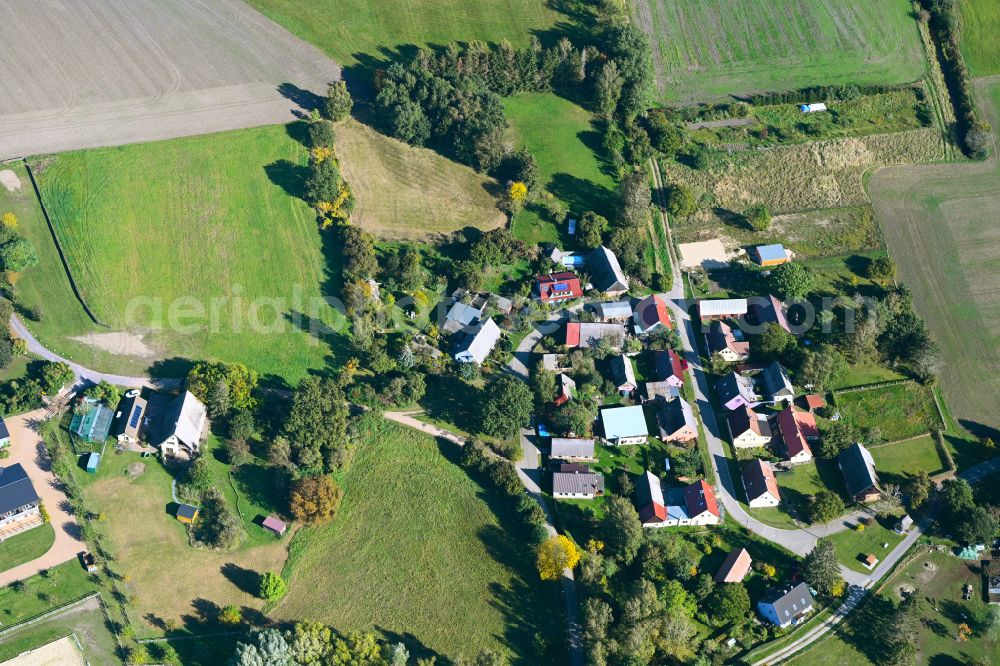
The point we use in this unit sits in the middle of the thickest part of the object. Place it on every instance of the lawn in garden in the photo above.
(420, 549)
(707, 49)
(566, 142)
(854, 545)
(899, 411)
(26, 546)
(900, 461)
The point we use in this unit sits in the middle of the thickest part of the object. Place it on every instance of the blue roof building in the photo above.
(625, 425)
(92, 461)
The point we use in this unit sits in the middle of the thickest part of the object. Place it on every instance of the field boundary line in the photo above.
(59, 249)
(872, 386)
(69, 605)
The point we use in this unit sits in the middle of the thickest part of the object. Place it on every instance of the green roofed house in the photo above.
(93, 424)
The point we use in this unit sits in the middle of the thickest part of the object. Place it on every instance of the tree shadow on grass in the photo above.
(305, 99)
(262, 486)
(863, 629)
(582, 195)
(289, 176)
(416, 647)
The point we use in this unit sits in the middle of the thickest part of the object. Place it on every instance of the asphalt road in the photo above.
(107, 72)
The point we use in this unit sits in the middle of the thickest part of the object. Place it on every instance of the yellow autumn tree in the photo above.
(769, 570)
(9, 220)
(320, 153)
(556, 554)
(518, 192)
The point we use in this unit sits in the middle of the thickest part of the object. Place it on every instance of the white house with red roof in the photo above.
(558, 287)
(694, 505)
(797, 449)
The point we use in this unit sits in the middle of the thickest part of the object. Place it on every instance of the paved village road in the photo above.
(84, 375)
(27, 449)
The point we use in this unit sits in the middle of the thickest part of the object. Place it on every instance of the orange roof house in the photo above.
(735, 567)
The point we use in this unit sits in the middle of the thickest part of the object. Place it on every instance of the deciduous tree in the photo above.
(820, 567)
(554, 555)
(315, 499)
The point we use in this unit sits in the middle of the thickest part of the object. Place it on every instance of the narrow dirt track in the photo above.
(106, 72)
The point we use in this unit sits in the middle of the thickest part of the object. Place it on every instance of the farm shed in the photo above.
(812, 108)
(771, 255)
(186, 513)
(274, 525)
(91, 461)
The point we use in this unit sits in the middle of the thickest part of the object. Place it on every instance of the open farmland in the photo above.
(105, 72)
(204, 222)
(825, 174)
(940, 226)
(418, 551)
(707, 49)
(980, 19)
(357, 31)
(409, 193)
(562, 137)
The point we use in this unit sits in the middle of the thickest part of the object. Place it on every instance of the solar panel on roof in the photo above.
(136, 415)
(560, 286)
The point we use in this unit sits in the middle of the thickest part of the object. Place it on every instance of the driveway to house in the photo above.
(530, 474)
(84, 376)
(107, 72)
(27, 449)
(518, 364)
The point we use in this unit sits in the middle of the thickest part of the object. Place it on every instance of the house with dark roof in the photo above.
(572, 449)
(131, 420)
(676, 421)
(735, 567)
(616, 311)
(775, 384)
(18, 499)
(693, 505)
(4, 434)
(587, 335)
(651, 314)
(797, 449)
(728, 342)
(577, 484)
(786, 607)
(737, 391)
(858, 468)
(460, 316)
(477, 344)
(770, 310)
(669, 367)
(760, 485)
(606, 272)
(557, 287)
(565, 389)
(749, 429)
(183, 426)
(624, 374)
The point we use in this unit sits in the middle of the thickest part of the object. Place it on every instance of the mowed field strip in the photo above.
(940, 224)
(706, 49)
(205, 219)
(105, 72)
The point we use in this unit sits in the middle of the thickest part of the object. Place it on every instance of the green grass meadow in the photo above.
(980, 20)
(200, 245)
(714, 48)
(356, 31)
(899, 411)
(60, 585)
(420, 550)
(566, 142)
(853, 546)
(903, 460)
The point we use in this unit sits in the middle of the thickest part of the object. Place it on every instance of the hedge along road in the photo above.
(105, 72)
